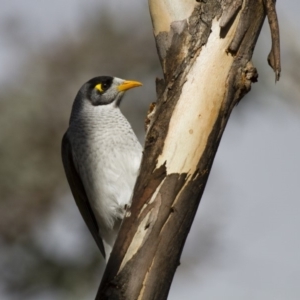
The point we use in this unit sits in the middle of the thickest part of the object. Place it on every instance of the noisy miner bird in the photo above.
(101, 156)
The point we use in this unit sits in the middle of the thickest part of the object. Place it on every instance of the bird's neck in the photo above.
(85, 112)
(93, 120)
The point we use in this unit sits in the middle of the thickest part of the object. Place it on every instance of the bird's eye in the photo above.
(101, 87)
(104, 85)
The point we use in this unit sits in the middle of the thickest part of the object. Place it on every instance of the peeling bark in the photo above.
(205, 50)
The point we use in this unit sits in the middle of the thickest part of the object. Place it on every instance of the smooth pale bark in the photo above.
(205, 49)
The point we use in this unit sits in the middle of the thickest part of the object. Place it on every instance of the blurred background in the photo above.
(244, 243)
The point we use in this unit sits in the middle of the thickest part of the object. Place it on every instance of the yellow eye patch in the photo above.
(99, 87)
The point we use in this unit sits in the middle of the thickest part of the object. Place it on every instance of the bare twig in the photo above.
(274, 55)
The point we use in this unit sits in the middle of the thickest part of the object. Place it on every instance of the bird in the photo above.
(101, 156)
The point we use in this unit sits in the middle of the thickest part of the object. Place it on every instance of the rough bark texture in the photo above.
(205, 48)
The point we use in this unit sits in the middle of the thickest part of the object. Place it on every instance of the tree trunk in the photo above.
(205, 48)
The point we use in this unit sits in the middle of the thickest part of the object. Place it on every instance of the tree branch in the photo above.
(205, 57)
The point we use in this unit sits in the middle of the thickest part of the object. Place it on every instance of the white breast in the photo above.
(107, 155)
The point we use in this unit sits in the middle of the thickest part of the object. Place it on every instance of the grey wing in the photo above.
(79, 193)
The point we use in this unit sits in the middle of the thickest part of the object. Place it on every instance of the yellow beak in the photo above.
(128, 84)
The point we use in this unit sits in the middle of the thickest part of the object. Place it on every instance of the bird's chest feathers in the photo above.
(108, 159)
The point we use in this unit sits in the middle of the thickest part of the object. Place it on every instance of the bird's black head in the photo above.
(104, 90)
